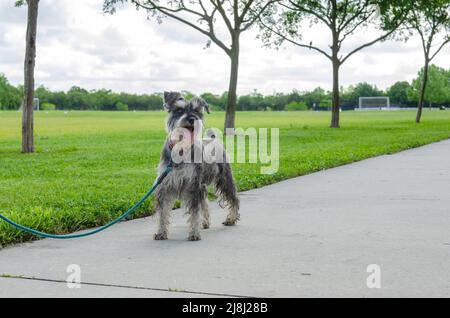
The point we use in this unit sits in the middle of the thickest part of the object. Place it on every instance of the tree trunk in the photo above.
(423, 90)
(232, 90)
(336, 64)
(335, 112)
(30, 59)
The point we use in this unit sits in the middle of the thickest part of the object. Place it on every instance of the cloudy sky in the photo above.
(79, 45)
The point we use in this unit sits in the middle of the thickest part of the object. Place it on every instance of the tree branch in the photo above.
(172, 13)
(381, 38)
(295, 42)
(218, 5)
(319, 14)
(354, 16)
(440, 48)
(357, 25)
(256, 15)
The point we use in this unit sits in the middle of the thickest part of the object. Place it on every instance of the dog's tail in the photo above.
(226, 188)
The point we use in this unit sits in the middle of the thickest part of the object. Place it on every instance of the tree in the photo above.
(277, 101)
(350, 97)
(431, 20)
(10, 97)
(30, 62)
(317, 99)
(296, 106)
(438, 86)
(121, 107)
(79, 98)
(214, 101)
(43, 94)
(253, 101)
(398, 93)
(343, 18)
(206, 16)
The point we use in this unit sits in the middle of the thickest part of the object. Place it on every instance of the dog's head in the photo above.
(184, 124)
(185, 115)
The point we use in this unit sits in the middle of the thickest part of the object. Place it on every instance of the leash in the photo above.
(100, 229)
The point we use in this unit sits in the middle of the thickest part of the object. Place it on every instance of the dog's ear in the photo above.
(171, 99)
(166, 96)
(206, 107)
(200, 103)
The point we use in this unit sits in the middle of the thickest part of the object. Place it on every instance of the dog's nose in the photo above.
(191, 120)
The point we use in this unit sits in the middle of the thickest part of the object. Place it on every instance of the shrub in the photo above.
(121, 107)
(48, 106)
(296, 106)
(215, 108)
(325, 104)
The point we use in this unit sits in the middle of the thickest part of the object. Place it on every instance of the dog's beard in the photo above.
(187, 135)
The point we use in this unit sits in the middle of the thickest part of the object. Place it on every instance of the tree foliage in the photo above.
(285, 22)
(350, 96)
(78, 98)
(210, 17)
(438, 88)
(343, 18)
(398, 94)
(431, 20)
(10, 96)
(205, 16)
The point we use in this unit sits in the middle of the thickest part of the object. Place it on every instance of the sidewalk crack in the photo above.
(168, 290)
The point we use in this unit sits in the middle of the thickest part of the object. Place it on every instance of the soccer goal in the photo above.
(374, 103)
(36, 105)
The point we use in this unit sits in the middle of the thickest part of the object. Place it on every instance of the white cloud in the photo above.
(79, 45)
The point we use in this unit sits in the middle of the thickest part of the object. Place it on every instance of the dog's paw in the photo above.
(194, 237)
(206, 225)
(160, 236)
(229, 222)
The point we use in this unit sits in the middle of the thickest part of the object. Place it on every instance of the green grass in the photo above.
(90, 167)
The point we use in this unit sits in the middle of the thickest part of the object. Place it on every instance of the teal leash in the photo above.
(100, 229)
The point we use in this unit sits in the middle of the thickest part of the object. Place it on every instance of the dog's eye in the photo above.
(179, 111)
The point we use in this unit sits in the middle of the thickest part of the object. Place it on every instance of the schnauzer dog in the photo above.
(189, 179)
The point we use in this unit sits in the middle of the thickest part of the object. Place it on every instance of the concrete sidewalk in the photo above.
(309, 236)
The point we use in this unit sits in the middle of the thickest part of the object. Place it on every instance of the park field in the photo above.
(91, 166)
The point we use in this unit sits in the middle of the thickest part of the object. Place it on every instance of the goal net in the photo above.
(374, 103)
(36, 105)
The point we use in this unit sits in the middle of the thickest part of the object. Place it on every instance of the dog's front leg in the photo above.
(205, 211)
(164, 205)
(193, 209)
(206, 223)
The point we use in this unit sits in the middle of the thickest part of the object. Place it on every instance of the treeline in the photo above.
(78, 98)
(402, 94)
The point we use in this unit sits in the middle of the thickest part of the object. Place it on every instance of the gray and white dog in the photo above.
(189, 179)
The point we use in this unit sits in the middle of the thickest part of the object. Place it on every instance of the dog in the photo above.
(189, 179)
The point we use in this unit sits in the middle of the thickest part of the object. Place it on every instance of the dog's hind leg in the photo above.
(226, 188)
(206, 220)
(164, 205)
(233, 215)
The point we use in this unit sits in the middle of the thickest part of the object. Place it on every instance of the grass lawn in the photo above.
(92, 166)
